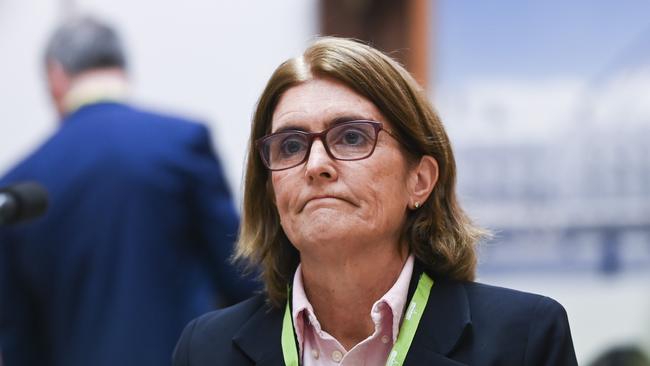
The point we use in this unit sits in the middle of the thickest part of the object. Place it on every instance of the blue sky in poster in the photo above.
(531, 40)
(509, 71)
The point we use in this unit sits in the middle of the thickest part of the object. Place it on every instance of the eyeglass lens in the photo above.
(347, 141)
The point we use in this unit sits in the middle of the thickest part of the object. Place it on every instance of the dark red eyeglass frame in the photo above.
(311, 136)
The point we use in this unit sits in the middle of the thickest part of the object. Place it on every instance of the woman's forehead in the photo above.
(318, 103)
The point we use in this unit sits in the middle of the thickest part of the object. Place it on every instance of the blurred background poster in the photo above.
(547, 104)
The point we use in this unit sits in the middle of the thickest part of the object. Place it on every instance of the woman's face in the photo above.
(333, 207)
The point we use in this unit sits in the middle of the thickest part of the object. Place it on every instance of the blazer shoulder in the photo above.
(211, 334)
(228, 320)
(512, 306)
(538, 322)
(507, 296)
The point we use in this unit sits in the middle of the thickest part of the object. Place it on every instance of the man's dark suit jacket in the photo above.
(464, 323)
(134, 245)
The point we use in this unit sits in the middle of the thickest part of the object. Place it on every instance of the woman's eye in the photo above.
(292, 146)
(353, 137)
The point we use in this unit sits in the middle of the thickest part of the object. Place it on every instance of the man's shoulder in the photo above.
(130, 133)
(166, 116)
(118, 113)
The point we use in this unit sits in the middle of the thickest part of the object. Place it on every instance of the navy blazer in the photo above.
(134, 245)
(464, 323)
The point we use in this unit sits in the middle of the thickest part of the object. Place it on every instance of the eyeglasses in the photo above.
(353, 140)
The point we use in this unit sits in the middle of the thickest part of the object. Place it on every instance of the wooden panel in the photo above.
(399, 28)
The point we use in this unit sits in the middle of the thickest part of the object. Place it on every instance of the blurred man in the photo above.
(139, 230)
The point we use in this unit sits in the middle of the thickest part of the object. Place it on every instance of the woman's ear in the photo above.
(424, 177)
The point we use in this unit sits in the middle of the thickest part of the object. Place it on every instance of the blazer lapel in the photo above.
(259, 337)
(445, 320)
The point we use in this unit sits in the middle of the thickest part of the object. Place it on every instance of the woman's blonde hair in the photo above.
(439, 234)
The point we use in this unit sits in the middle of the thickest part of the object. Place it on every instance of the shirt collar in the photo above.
(395, 299)
(91, 89)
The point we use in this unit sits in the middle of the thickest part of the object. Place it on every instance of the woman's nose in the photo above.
(319, 164)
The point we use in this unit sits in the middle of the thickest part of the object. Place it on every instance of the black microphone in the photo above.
(22, 201)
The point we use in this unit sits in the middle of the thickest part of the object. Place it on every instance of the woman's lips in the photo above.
(324, 199)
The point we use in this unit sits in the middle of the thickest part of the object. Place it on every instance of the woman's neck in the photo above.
(343, 291)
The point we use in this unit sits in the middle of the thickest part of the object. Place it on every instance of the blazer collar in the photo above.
(445, 321)
(259, 338)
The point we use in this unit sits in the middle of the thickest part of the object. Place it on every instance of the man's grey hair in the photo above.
(85, 43)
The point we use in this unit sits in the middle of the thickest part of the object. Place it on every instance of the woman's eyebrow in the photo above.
(348, 118)
(290, 127)
(335, 121)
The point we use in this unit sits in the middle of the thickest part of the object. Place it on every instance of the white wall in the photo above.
(206, 59)
(25, 115)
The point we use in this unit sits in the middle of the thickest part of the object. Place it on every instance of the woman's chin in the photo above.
(324, 230)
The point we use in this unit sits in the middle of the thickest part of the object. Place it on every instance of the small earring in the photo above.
(417, 205)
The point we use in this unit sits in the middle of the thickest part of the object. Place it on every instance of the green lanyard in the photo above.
(397, 355)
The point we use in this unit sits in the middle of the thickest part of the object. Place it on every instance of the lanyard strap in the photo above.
(288, 341)
(397, 355)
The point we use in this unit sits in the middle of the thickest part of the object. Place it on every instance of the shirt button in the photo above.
(315, 354)
(385, 339)
(337, 356)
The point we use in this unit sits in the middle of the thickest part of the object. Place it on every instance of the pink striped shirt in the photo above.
(318, 348)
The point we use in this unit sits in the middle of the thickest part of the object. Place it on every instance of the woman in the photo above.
(351, 213)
